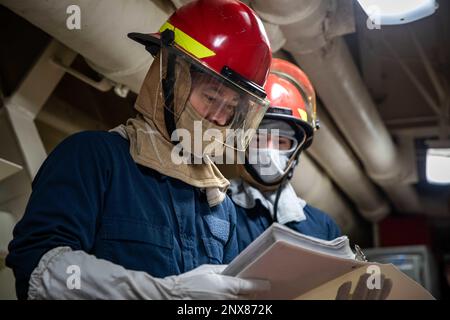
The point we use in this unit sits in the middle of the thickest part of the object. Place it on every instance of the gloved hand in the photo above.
(362, 291)
(206, 282)
(101, 279)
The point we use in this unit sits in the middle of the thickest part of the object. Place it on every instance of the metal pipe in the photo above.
(102, 39)
(102, 85)
(330, 67)
(336, 158)
(311, 184)
(347, 99)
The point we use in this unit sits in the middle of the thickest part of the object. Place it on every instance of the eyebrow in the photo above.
(213, 89)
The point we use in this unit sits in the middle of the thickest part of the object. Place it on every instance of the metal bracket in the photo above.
(103, 85)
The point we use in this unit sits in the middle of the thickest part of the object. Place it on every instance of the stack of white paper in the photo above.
(296, 264)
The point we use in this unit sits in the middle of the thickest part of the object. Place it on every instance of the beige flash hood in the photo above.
(150, 144)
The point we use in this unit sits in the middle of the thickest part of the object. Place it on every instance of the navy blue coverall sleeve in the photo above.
(66, 199)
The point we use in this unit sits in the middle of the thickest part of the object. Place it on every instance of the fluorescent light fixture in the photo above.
(388, 12)
(438, 165)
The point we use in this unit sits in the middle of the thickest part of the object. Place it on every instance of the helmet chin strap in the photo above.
(277, 198)
(168, 84)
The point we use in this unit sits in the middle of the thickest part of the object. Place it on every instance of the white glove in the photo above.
(206, 282)
(101, 279)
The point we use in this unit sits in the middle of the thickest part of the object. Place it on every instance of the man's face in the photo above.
(213, 100)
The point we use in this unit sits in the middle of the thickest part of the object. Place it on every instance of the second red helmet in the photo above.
(292, 97)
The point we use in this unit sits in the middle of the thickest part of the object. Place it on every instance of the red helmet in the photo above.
(227, 41)
(226, 36)
(292, 97)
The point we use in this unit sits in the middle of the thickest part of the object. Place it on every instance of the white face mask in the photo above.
(270, 164)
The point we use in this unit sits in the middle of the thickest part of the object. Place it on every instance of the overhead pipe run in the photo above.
(312, 183)
(295, 18)
(328, 63)
(336, 158)
(341, 88)
(102, 39)
(338, 83)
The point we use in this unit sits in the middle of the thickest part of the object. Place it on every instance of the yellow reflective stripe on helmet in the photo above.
(303, 114)
(188, 43)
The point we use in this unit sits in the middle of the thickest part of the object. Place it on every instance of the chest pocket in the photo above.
(137, 245)
(216, 239)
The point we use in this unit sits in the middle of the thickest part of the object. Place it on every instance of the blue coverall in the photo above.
(90, 195)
